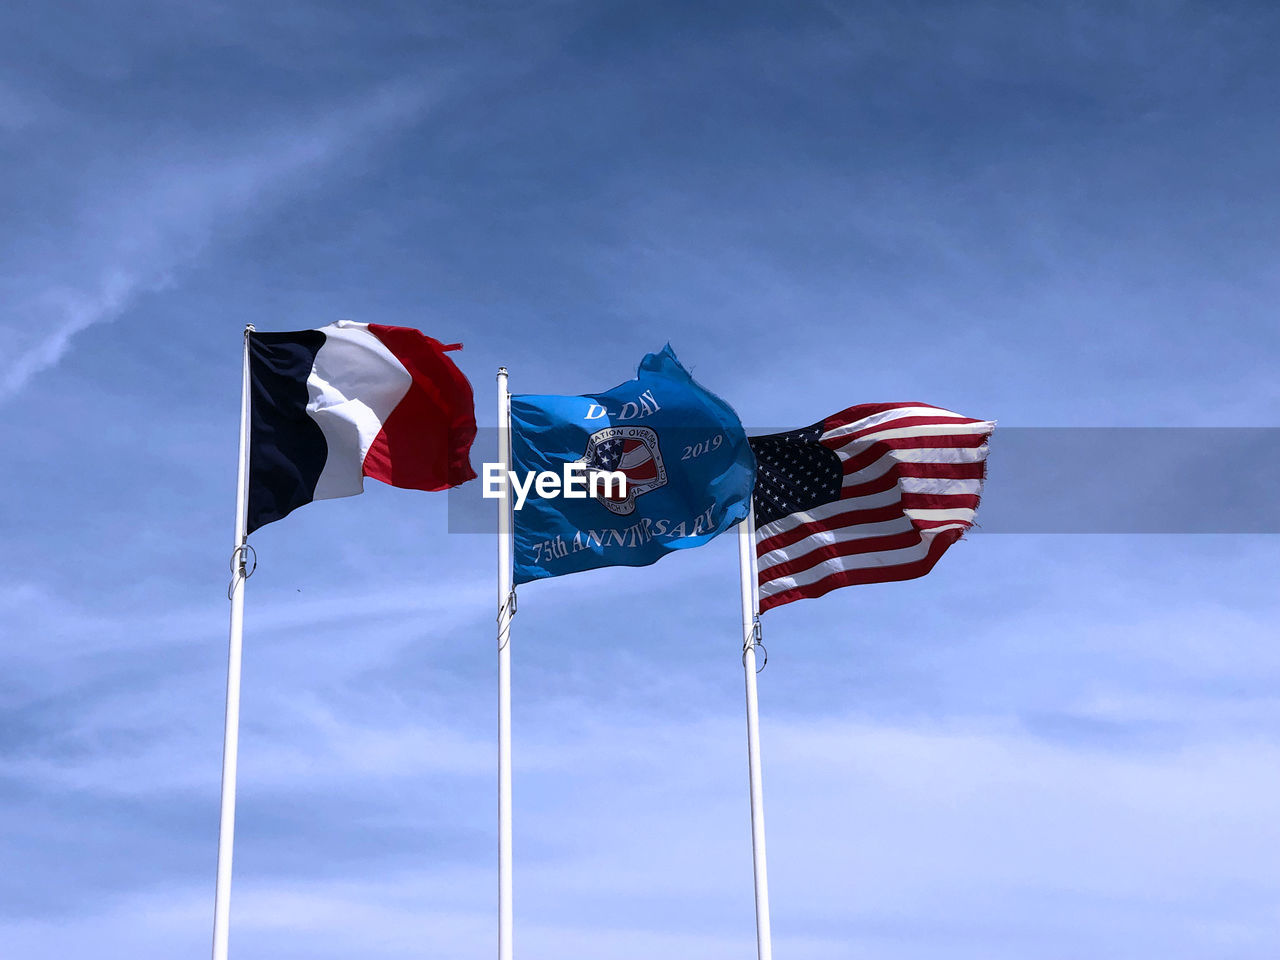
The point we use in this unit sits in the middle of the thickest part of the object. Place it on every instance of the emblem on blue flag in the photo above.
(688, 468)
(631, 451)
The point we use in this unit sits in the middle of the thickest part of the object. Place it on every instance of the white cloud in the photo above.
(899, 841)
(133, 239)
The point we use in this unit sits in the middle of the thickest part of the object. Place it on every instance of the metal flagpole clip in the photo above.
(756, 643)
(505, 613)
(241, 568)
(508, 606)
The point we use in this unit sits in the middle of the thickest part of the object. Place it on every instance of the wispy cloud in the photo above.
(142, 236)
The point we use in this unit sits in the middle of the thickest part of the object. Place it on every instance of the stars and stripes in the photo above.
(874, 493)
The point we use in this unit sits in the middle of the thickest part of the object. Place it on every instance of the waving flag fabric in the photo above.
(688, 466)
(334, 405)
(877, 492)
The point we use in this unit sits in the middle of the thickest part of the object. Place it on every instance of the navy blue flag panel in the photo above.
(688, 466)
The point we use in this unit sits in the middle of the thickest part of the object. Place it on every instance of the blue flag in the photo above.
(688, 467)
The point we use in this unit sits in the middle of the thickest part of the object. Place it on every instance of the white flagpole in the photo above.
(750, 640)
(231, 731)
(506, 607)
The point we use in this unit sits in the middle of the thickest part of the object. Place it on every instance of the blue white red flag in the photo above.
(334, 405)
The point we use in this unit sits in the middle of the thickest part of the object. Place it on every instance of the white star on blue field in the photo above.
(1054, 746)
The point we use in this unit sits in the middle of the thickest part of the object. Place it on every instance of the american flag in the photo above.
(874, 493)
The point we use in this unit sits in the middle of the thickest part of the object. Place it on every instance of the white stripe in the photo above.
(922, 455)
(824, 512)
(963, 517)
(861, 561)
(939, 485)
(924, 430)
(897, 413)
(871, 471)
(963, 514)
(354, 385)
(822, 538)
(965, 525)
(869, 501)
(942, 454)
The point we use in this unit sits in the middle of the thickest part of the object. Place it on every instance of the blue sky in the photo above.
(1054, 746)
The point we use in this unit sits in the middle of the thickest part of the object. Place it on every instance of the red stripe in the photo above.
(846, 578)
(860, 461)
(844, 548)
(425, 444)
(897, 469)
(944, 471)
(863, 410)
(940, 501)
(886, 481)
(878, 448)
(902, 423)
(645, 471)
(851, 518)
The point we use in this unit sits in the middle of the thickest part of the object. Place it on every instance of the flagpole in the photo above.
(750, 640)
(231, 729)
(506, 607)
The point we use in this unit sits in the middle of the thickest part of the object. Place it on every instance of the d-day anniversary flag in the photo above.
(689, 471)
(350, 400)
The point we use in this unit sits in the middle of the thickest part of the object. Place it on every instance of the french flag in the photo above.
(331, 406)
